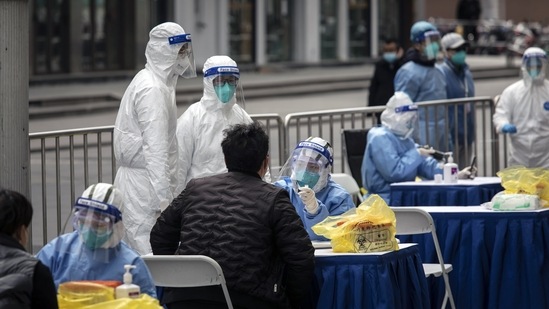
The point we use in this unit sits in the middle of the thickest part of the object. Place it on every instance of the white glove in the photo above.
(308, 197)
(425, 152)
(465, 173)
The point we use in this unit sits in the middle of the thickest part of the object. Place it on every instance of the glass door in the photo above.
(359, 28)
(242, 34)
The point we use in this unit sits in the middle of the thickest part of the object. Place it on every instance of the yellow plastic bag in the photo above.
(371, 227)
(90, 295)
(522, 180)
(143, 302)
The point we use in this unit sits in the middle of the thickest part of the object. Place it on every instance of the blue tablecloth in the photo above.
(500, 259)
(391, 280)
(427, 193)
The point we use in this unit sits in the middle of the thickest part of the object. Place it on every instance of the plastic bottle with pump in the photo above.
(128, 289)
(450, 170)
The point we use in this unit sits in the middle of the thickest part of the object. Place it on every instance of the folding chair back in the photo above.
(183, 271)
(349, 184)
(355, 144)
(410, 221)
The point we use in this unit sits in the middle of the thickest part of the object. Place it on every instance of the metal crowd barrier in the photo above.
(329, 124)
(64, 163)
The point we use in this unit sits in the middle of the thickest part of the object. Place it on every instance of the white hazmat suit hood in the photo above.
(164, 57)
(200, 128)
(214, 67)
(145, 144)
(400, 115)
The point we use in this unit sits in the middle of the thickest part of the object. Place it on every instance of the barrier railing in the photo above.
(64, 163)
(329, 124)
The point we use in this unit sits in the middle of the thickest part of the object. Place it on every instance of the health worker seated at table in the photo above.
(391, 155)
(94, 251)
(306, 177)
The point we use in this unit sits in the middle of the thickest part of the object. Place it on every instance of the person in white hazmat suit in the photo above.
(523, 112)
(200, 127)
(145, 145)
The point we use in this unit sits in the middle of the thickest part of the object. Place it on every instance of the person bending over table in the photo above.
(391, 155)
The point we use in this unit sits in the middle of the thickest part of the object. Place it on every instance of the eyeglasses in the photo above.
(221, 80)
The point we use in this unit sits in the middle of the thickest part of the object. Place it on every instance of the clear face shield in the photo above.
(226, 84)
(96, 223)
(184, 64)
(309, 166)
(534, 66)
(430, 45)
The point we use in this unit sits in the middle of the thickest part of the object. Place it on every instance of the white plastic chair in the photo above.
(410, 221)
(182, 271)
(349, 184)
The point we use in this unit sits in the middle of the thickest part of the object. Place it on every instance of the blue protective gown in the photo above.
(332, 200)
(425, 83)
(389, 159)
(459, 84)
(69, 260)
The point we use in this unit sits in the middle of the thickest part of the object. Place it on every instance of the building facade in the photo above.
(103, 38)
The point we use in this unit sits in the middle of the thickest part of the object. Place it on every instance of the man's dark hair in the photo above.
(245, 146)
(15, 211)
(390, 40)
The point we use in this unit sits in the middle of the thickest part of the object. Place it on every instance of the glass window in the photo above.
(241, 22)
(388, 20)
(279, 40)
(50, 36)
(328, 30)
(359, 28)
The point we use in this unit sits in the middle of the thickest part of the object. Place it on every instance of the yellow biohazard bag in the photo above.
(370, 227)
(91, 295)
(522, 180)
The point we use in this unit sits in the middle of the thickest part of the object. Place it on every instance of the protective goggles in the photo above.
(406, 108)
(309, 164)
(100, 223)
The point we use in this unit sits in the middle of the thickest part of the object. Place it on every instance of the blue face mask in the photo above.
(533, 73)
(307, 178)
(459, 58)
(390, 57)
(431, 50)
(92, 239)
(225, 93)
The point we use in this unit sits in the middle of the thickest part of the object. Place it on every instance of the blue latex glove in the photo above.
(509, 128)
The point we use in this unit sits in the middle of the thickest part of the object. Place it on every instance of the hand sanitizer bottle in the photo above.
(127, 290)
(450, 170)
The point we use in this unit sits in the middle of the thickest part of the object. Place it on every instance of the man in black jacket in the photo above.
(381, 85)
(248, 226)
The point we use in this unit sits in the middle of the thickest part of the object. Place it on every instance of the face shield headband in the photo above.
(105, 208)
(406, 108)
(320, 149)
